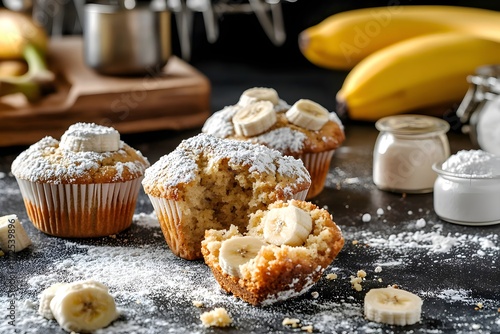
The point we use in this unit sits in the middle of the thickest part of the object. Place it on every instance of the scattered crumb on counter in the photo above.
(366, 218)
(294, 322)
(420, 223)
(331, 276)
(315, 294)
(197, 303)
(308, 328)
(218, 317)
(357, 280)
(356, 283)
(378, 269)
(380, 211)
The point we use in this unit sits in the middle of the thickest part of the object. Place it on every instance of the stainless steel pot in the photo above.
(122, 41)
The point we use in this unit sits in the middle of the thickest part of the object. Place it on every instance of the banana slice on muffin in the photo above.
(282, 254)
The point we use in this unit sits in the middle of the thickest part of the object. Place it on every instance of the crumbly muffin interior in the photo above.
(222, 195)
(209, 182)
(277, 272)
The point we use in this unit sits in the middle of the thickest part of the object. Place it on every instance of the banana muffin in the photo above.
(85, 185)
(282, 254)
(304, 130)
(209, 182)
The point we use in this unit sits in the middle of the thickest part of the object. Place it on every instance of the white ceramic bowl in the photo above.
(466, 200)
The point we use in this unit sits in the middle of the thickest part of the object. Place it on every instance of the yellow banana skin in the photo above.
(342, 40)
(22, 39)
(414, 74)
(18, 30)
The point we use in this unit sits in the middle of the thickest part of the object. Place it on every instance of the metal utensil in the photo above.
(125, 38)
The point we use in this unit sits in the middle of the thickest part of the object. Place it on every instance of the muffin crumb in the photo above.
(331, 276)
(308, 328)
(218, 317)
(293, 322)
(197, 303)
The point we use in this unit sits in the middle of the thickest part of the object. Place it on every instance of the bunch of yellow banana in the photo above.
(23, 63)
(403, 58)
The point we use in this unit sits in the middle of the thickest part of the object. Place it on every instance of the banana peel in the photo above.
(22, 38)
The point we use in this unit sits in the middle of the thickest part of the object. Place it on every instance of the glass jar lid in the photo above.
(412, 124)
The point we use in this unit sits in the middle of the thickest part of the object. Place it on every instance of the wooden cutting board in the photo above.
(177, 98)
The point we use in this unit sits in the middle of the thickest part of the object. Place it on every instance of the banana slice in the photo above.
(392, 306)
(13, 236)
(89, 137)
(237, 251)
(254, 119)
(46, 297)
(308, 114)
(288, 225)
(83, 306)
(255, 94)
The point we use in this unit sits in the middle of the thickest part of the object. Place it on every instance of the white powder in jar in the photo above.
(406, 149)
(467, 190)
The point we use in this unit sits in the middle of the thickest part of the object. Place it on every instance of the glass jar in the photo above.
(479, 111)
(406, 148)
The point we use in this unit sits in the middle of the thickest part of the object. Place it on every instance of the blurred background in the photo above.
(240, 36)
(226, 41)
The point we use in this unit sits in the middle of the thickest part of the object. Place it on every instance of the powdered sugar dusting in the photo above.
(433, 241)
(180, 166)
(155, 290)
(282, 139)
(45, 161)
(86, 130)
(473, 163)
(220, 124)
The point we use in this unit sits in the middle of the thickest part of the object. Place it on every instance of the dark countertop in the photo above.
(452, 267)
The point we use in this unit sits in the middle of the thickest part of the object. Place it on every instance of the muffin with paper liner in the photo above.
(85, 185)
(305, 130)
(211, 183)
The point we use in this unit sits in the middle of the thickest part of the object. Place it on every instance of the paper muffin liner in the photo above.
(80, 210)
(170, 217)
(318, 165)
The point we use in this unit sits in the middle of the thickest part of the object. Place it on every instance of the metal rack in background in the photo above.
(54, 14)
(268, 13)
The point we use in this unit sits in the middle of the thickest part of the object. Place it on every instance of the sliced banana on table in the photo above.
(237, 251)
(288, 225)
(255, 94)
(13, 236)
(392, 306)
(89, 137)
(254, 119)
(83, 306)
(308, 114)
(46, 297)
